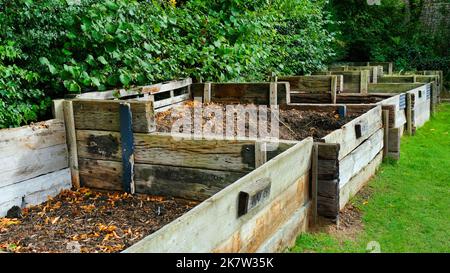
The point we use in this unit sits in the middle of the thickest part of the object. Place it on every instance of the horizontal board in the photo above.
(196, 231)
(30, 151)
(187, 183)
(34, 191)
(243, 93)
(392, 87)
(346, 136)
(353, 163)
(309, 84)
(358, 181)
(104, 115)
(100, 174)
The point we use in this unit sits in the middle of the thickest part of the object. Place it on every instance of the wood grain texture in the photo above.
(346, 136)
(31, 151)
(104, 115)
(196, 231)
(101, 174)
(353, 186)
(34, 191)
(187, 183)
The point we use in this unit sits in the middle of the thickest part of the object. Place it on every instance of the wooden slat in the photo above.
(34, 191)
(163, 149)
(104, 115)
(71, 143)
(359, 181)
(197, 230)
(346, 136)
(354, 162)
(149, 89)
(171, 100)
(385, 132)
(243, 93)
(101, 174)
(30, 151)
(187, 183)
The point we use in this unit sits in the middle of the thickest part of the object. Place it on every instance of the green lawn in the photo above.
(408, 209)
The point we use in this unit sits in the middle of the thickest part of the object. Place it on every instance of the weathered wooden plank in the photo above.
(188, 183)
(394, 140)
(314, 182)
(57, 109)
(30, 151)
(392, 87)
(34, 191)
(163, 149)
(101, 174)
(196, 231)
(71, 143)
(353, 163)
(385, 132)
(102, 145)
(310, 84)
(255, 232)
(346, 136)
(149, 89)
(104, 115)
(172, 100)
(358, 181)
(286, 235)
(409, 113)
(243, 93)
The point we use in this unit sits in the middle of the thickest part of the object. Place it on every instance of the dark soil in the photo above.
(293, 124)
(89, 221)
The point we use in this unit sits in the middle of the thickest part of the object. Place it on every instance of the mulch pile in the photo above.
(89, 221)
(293, 124)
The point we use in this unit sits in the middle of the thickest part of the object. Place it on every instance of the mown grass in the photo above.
(408, 209)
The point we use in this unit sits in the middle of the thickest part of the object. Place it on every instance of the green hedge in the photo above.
(83, 45)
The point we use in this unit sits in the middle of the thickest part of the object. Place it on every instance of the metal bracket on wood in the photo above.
(127, 141)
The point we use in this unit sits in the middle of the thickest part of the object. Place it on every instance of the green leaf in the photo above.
(124, 79)
(44, 61)
(102, 60)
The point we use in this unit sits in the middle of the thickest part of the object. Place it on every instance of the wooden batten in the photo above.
(104, 115)
(243, 93)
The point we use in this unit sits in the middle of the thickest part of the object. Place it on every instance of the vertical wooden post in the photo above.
(390, 68)
(386, 133)
(273, 91)
(333, 89)
(433, 97)
(364, 83)
(314, 181)
(409, 118)
(127, 141)
(374, 74)
(260, 153)
(57, 109)
(71, 139)
(207, 93)
(342, 111)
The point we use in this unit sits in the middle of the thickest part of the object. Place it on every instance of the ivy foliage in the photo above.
(85, 45)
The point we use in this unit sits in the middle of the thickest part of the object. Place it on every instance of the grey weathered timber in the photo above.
(196, 231)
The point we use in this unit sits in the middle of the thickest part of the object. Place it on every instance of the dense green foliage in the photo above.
(20, 100)
(407, 208)
(96, 45)
(63, 46)
(391, 31)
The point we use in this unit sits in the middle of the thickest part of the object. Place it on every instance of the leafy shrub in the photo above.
(20, 100)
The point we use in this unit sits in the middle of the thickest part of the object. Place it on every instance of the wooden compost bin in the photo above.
(347, 157)
(263, 198)
(33, 164)
(395, 104)
(374, 71)
(418, 101)
(433, 80)
(388, 67)
(353, 81)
